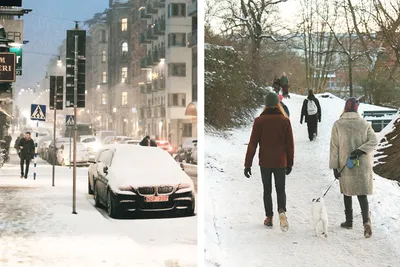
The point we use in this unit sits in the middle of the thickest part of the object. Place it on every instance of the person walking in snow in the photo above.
(147, 141)
(276, 85)
(352, 135)
(272, 131)
(16, 144)
(27, 147)
(284, 82)
(311, 111)
(285, 108)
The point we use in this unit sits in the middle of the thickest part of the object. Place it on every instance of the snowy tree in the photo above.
(231, 95)
(387, 157)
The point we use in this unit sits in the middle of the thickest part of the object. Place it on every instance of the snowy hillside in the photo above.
(235, 234)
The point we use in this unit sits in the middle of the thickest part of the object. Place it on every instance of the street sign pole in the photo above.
(55, 128)
(70, 146)
(75, 126)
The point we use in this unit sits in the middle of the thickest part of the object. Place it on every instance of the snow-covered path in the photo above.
(235, 235)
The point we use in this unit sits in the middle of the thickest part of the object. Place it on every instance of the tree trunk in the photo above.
(351, 76)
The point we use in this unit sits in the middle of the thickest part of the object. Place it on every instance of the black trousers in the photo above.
(363, 200)
(280, 180)
(312, 126)
(26, 161)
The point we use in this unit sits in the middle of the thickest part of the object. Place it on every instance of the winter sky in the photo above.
(45, 29)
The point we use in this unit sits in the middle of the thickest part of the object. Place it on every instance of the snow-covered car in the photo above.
(126, 179)
(91, 143)
(116, 140)
(131, 142)
(43, 145)
(53, 149)
(194, 154)
(82, 155)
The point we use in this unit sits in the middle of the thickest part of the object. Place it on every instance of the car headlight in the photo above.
(184, 188)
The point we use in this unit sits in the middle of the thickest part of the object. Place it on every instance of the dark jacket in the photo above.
(16, 144)
(276, 84)
(286, 109)
(304, 113)
(145, 142)
(28, 150)
(273, 132)
(284, 80)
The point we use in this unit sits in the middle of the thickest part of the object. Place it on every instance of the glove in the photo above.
(357, 153)
(247, 172)
(319, 119)
(288, 170)
(301, 121)
(336, 173)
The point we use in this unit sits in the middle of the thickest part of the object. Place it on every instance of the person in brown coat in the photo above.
(273, 132)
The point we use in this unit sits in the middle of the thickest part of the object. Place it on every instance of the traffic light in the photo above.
(57, 87)
(5, 87)
(11, 3)
(70, 68)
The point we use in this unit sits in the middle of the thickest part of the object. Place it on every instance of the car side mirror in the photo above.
(105, 169)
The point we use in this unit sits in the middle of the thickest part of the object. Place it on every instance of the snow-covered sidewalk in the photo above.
(235, 235)
(37, 227)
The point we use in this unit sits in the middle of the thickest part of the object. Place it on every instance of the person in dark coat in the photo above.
(285, 108)
(273, 132)
(276, 85)
(147, 141)
(16, 144)
(27, 147)
(284, 82)
(311, 111)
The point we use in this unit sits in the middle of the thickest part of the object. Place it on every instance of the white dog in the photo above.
(320, 214)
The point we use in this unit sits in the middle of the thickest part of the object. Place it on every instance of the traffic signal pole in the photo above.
(75, 125)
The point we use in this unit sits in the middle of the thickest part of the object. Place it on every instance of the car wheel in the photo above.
(96, 196)
(112, 206)
(90, 191)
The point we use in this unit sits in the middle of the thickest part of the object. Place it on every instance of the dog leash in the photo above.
(334, 181)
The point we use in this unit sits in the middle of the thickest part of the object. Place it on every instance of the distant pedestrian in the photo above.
(276, 85)
(147, 141)
(311, 111)
(16, 144)
(272, 131)
(27, 147)
(285, 108)
(284, 82)
(352, 135)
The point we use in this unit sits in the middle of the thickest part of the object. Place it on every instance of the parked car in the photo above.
(125, 179)
(82, 155)
(91, 143)
(185, 151)
(101, 135)
(131, 142)
(43, 145)
(53, 149)
(165, 145)
(193, 154)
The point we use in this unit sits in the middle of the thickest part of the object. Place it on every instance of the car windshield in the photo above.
(89, 140)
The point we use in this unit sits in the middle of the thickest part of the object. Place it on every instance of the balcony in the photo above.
(158, 55)
(150, 9)
(143, 14)
(150, 33)
(146, 63)
(159, 27)
(159, 3)
(143, 39)
(192, 39)
(192, 8)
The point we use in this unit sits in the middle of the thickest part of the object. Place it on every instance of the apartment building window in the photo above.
(176, 10)
(177, 69)
(187, 130)
(124, 24)
(124, 47)
(104, 99)
(104, 77)
(124, 98)
(177, 39)
(177, 100)
(124, 73)
(103, 36)
(103, 56)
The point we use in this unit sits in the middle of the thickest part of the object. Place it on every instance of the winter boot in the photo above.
(348, 224)
(283, 221)
(268, 221)
(314, 136)
(367, 225)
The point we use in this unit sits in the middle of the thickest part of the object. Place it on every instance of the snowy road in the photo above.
(38, 229)
(235, 235)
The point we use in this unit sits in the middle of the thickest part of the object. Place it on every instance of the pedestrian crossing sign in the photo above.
(70, 120)
(38, 112)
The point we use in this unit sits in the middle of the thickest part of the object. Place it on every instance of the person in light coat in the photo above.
(352, 135)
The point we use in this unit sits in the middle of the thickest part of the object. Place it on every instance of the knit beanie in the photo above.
(281, 97)
(272, 100)
(351, 105)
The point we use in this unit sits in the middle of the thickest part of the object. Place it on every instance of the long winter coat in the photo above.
(349, 133)
(273, 132)
(28, 150)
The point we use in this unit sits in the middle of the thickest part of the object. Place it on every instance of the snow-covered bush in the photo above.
(231, 95)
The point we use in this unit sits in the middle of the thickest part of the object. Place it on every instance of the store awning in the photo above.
(191, 109)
